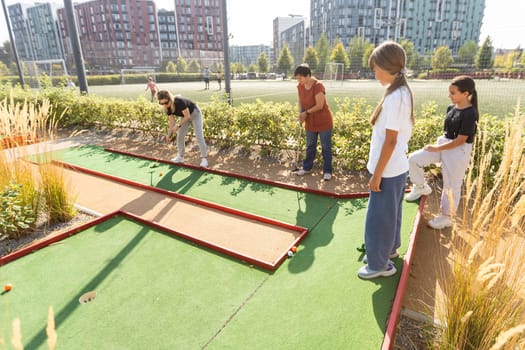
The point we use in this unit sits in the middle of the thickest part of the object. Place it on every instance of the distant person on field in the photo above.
(316, 115)
(219, 79)
(452, 150)
(206, 75)
(181, 113)
(392, 121)
(152, 88)
(70, 83)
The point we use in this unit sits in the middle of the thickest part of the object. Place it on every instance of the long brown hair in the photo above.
(464, 83)
(391, 57)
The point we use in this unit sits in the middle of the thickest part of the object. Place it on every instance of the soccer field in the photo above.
(498, 98)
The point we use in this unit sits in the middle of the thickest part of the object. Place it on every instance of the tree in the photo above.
(237, 68)
(263, 63)
(171, 67)
(484, 56)
(6, 53)
(366, 55)
(442, 58)
(467, 53)
(252, 68)
(339, 56)
(4, 71)
(182, 65)
(356, 50)
(194, 67)
(412, 54)
(512, 59)
(285, 60)
(311, 58)
(323, 52)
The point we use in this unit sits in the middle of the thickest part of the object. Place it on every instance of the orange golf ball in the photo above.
(294, 249)
(160, 174)
(8, 287)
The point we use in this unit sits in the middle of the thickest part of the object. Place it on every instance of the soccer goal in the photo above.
(334, 73)
(45, 73)
(136, 75)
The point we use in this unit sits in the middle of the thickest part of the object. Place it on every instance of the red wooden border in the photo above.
(248, 178)
(45, 242)
(184, 197)
(232, 253)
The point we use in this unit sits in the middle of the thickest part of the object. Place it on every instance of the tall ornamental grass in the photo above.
(24, 195)
(483, 306)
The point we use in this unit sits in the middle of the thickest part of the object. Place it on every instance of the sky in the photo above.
(251, 24)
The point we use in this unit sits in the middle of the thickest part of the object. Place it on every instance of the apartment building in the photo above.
(428, 24)
(34, 30)
(114, 34)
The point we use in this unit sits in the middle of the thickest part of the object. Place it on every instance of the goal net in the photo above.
(46, 73)
(136, 75)
(334, 72)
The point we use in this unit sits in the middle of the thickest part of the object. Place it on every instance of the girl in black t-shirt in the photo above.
(181, 113)
(453, 150)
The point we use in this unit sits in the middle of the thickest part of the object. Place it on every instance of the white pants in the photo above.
(454, 163)
(196, 121)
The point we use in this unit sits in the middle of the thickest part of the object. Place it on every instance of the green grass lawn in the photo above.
(498, 98)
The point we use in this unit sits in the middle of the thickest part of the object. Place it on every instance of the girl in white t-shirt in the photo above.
(392, 123)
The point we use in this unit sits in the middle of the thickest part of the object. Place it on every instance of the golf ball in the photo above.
(290, 253)
(8, 287)
(160, 174)
(294, 249)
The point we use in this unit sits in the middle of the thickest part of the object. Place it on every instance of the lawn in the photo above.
(496, 98)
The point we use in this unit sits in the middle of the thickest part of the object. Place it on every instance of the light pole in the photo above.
(225, 36)
(13, 46)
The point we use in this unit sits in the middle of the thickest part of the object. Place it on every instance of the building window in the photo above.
(440, 9)
(378, 13)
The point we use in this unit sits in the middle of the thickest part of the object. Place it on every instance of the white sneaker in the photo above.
(417, 191)
(204, 163)
(366, 273)
(327, 176)
(178, 159)
(301, 172)
(440, 222)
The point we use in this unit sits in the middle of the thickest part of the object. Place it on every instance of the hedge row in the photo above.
(110, 79)
(271, 125)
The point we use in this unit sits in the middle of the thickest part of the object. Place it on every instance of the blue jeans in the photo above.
(383, 221)
(311, 149)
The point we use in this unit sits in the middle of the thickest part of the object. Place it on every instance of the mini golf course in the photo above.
(159, 289)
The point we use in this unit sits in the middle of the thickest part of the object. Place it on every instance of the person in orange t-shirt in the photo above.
(317, 117)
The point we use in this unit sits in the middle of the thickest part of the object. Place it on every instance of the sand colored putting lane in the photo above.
(261, 243)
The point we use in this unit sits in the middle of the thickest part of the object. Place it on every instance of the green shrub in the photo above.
(270, 125)
(16, 217)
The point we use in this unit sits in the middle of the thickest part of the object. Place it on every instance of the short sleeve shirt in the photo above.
(179, 104)
(319, 120)
(395, 115)
(461, 122)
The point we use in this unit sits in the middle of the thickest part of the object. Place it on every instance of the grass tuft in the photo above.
(483, 307)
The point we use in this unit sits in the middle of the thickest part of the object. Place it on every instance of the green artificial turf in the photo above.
(153, 291)
(159, 292)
